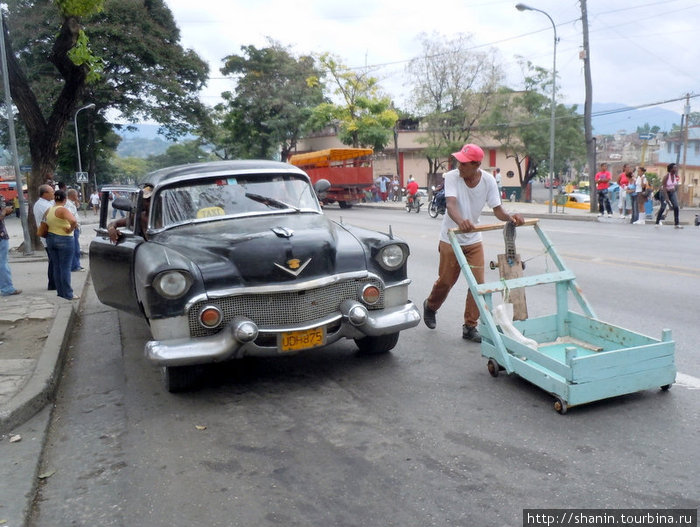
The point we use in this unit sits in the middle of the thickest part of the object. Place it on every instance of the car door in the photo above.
(112, 265)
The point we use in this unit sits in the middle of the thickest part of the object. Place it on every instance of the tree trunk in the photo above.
(45, 135)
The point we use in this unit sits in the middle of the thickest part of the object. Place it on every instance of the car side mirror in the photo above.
(122, 204)
(322, 186)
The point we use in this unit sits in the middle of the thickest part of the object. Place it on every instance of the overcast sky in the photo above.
(642, 51)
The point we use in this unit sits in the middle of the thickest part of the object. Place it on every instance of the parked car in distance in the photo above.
(579, 197)
(236, 258)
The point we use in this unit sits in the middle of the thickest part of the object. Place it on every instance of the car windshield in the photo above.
(231, 196)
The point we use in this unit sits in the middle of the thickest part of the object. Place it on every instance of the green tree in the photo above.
(453, 88)
(130, 169)
(180, 154)
(266, 113)
(141, 71)
(521, 122)
(364, 116)
(648, 129)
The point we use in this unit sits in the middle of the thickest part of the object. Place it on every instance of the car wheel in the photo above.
(376, 345)
(180, 378)
(344, 204)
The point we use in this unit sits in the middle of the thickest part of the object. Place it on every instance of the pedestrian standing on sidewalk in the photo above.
(467, 190)
(602, 180)
(499, 182)
(44, 203)
(6, 287)
(622, 182)
(644, 191)
(59, 243)
(668, 193)
(73, 204)
(633, 188)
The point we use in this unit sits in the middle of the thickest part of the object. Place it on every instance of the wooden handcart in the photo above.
(575, 357)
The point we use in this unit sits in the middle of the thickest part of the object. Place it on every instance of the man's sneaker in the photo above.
(609, 215)
(471, 333)
(428, 315)
(679, 226)
(600, 214)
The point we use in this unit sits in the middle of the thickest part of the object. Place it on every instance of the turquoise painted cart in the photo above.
(578, 358)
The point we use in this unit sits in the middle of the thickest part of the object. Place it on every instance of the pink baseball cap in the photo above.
(469, 152)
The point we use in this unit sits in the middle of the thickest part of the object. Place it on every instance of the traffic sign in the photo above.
(644, 137)
(25, 168)
(81, 177)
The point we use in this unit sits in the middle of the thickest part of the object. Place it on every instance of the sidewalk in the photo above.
(34, 329)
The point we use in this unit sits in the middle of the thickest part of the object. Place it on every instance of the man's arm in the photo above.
(113, 229)
(502, 215)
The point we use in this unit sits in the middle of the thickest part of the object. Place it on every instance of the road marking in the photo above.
(687, 381)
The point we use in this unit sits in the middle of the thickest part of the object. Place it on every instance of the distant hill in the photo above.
(142, 148)
(142, 142)
(612, 123)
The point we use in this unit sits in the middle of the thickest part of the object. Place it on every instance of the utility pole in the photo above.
(28, 249)
(588, 108)
(686, 112)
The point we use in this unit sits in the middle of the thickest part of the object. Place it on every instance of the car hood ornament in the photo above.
(294, 266)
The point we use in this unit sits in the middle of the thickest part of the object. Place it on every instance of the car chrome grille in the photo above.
(284, 308)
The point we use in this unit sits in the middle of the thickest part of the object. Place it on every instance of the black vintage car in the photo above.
(236, 258)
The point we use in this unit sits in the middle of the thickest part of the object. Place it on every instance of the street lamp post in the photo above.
(77, 144)
(523, 7)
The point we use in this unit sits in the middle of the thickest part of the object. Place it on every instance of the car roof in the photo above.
(203, 170)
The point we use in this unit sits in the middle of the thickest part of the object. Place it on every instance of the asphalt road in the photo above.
(422, 436)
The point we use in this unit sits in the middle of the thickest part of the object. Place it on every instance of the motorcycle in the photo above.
(437, 204)
(413, 203)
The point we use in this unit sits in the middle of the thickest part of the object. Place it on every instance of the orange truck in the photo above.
(349, 171)
(8, 190)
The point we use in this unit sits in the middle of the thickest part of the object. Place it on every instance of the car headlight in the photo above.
(172, 284)
(392, 257)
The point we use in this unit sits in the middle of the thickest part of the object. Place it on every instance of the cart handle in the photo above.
(495, 226)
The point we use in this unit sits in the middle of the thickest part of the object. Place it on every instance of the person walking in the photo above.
(602, 180)
(44, 203)
(60, 242)
(73, 204)
(395, 190)
(6, 287)
(95, 201)
(467, 190)
(668, 193)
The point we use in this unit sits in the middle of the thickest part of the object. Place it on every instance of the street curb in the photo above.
(42, 384)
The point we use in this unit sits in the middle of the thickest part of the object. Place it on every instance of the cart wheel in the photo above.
(493, 367)
(492, 265)
(560, 405)
(666, 387)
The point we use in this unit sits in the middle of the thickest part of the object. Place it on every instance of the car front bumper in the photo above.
(240, 337)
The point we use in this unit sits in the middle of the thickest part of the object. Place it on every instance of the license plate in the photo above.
(301, 340)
